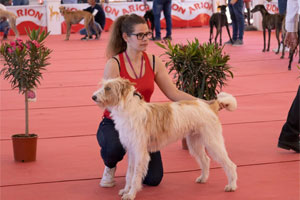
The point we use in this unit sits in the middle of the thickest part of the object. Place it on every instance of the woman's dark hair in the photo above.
(123, 24)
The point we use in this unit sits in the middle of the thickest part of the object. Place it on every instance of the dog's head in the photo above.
(113, 92)
(148, 14)
(62, 10)
(259, 7)
(223, 8)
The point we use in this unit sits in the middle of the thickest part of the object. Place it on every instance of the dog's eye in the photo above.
(107, 89)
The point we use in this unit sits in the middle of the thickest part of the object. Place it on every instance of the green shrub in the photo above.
(199, 69)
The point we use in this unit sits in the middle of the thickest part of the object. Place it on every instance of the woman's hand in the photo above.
(291, 40)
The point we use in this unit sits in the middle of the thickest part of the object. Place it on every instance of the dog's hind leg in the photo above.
(96, 27)
(97, 30)
(216, 148)
(211, 33)
(87, 21)
(220, 35)
(228, 31)
(269, 39)
(217, 34)
(278, 40)
(264, 34)
(196, 149)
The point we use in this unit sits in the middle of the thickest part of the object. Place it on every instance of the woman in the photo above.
(127, 59)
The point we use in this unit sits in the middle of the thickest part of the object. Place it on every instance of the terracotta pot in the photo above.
(24, 147)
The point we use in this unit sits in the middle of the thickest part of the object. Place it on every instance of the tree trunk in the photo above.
(26, 114)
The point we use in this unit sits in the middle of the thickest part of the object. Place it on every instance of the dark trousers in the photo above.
(4, 27)
(112, 152)
(98, 26)
(282, 6)
(165, 6)
(290, 130)
(237, 17)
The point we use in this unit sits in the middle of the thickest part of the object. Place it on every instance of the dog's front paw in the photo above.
(128, 197)
(201, 179)
(122, 191)
(230, 188)
(67, 39)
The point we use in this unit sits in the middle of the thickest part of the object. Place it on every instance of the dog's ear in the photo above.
(125, 86)
(222, 7)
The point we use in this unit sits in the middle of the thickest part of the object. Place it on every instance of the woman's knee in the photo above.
(153, 180)
(111, 155)
(155, 170)
(112, 150)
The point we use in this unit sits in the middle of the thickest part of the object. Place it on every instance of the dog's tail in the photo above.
(227, 100)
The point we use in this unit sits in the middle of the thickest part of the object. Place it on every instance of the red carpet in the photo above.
(68, 165)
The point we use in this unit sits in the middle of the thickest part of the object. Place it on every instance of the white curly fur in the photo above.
(147, 127)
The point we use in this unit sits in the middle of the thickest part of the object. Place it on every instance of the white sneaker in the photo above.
(286, 49)
(108, 177)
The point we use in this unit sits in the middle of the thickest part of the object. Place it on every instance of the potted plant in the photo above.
(24, 62)
(199, 69)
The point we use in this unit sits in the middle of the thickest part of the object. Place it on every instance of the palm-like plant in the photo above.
(24, 63)
(199, 69)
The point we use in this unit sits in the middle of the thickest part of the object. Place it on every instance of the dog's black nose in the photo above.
(94, 97)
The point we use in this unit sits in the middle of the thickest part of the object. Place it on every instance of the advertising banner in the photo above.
(187, 14)
(30, 17)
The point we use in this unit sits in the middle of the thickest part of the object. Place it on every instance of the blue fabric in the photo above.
(4, 27)
(237, 17)
(165, 6)
(112, 152)
(69, 1)
(282, 6)
(20, 2)
(84, 32)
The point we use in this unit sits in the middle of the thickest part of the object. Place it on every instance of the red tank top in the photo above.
(144, 85)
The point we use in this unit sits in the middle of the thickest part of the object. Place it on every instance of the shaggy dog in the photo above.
(74, 17)
(147, 127)
(12, 18)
